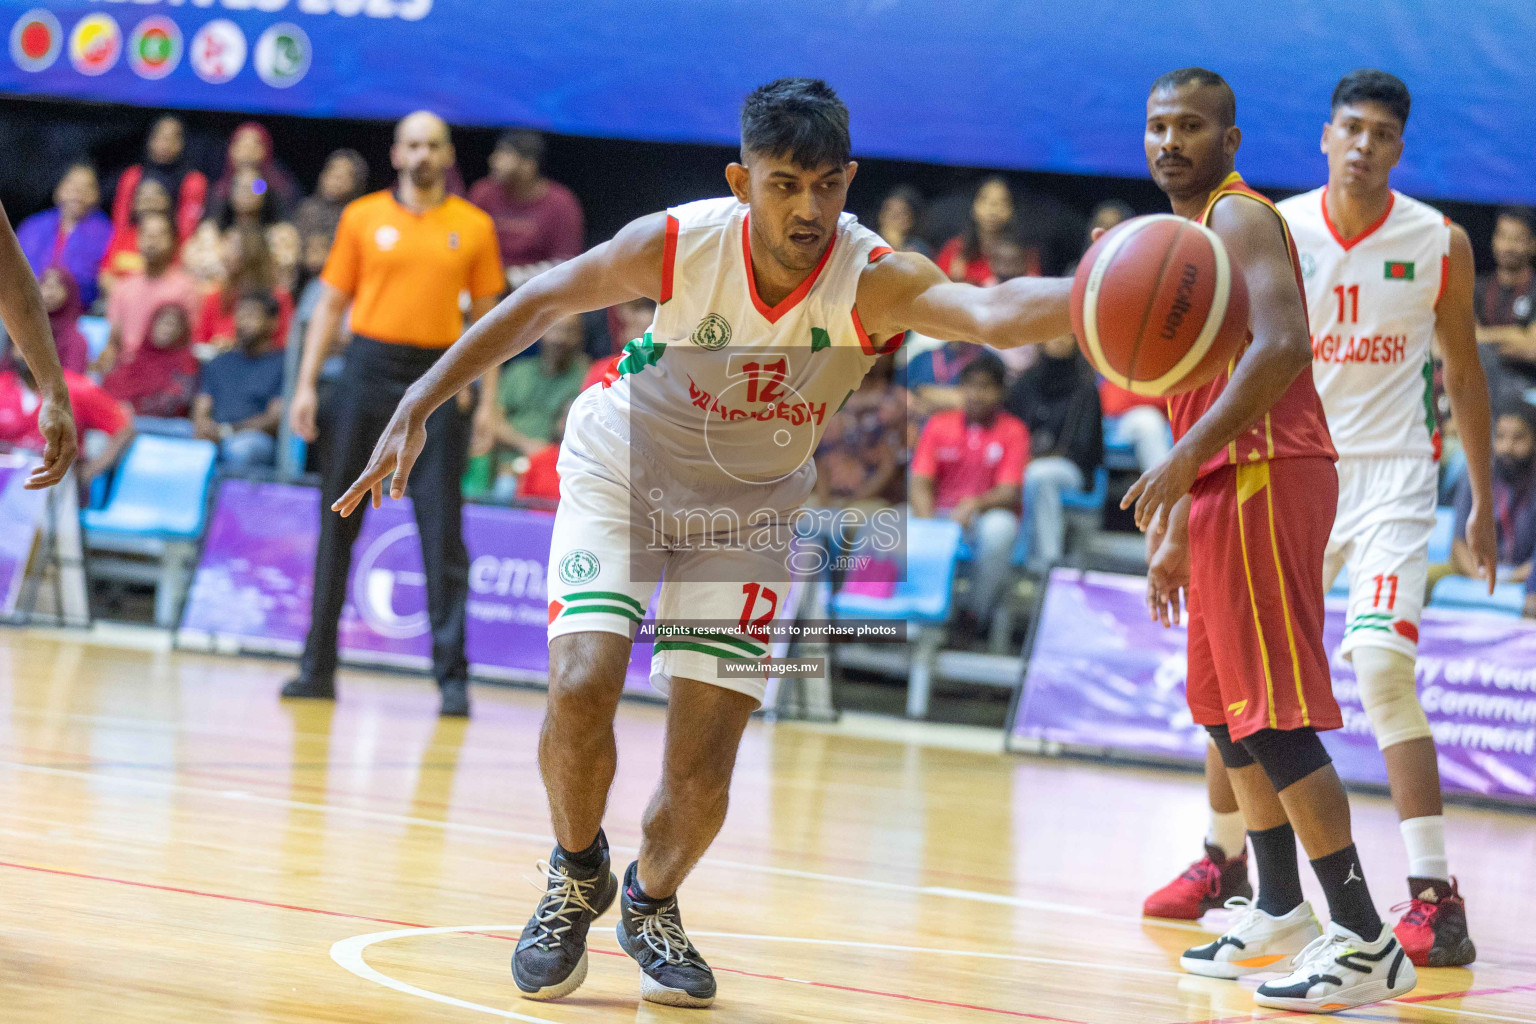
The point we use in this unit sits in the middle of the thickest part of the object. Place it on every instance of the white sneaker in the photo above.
(1340, 970)
(1256, 940)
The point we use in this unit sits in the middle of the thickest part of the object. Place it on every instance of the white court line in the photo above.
(942, 892)
(1458, 1011)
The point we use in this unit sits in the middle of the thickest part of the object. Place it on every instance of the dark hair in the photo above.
(181, 313)
(1181, 77)
(79, 165)
(525, 142)
(359, 166)
(907, 194)
(1524, 214)
(801, 118)
(1370, 85)
(988, 366)
(970, 241)
(1522, 410)
(262, 295)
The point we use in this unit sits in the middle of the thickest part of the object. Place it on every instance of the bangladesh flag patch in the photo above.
(1397, 270)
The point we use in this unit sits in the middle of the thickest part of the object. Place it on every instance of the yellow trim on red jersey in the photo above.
(1252, 487)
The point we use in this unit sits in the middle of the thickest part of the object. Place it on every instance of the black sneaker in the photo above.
(1434, 929)
(551, 956)
(319, 689)
(671, 971)
(455, 698)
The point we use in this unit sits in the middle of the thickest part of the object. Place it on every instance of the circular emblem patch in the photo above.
(386, 237)
(282, 55)
(36, 40)
(713, 332)
(218, 51)
(579, 566)
(154, 49)
(1308, 265)
(95, 44)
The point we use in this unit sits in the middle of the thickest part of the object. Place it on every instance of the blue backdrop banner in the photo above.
(998, 83)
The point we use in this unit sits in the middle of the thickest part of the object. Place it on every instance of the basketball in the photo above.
(1158, 307)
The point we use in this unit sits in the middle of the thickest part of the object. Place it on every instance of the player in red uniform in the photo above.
(1237, 520)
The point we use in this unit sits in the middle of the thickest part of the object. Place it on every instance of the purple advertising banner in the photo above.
(1103, 675)
(252, 589)
(22, 513)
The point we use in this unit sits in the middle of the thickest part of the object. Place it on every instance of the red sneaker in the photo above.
(1205, 885)
(1433, 931)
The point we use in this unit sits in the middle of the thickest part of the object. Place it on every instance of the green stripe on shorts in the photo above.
(611, 609)
(605, 595)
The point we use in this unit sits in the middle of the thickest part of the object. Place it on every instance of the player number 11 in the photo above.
(1391, 581)
(1352, 315)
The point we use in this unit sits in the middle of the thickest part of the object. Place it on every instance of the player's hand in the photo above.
(56, 423)
(1168, 578)
(1159, 489)
(301, 412)
(1483, 542)
(397, 451)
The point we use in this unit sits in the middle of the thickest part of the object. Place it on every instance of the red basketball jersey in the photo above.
(1295, 426)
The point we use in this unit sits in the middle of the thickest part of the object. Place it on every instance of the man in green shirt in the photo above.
(532, 391)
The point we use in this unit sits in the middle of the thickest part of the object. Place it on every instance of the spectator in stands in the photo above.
(203, 256)
(1106, 215)
(1506, 304)
(1058, 401)
(1514, 501)
(240, 395)
(863, 449)
(934, 376)
(627, 322)
(250, 151)
(94, 410)
(344, 178)
(72, 234)
(287, 249)
(61, 298)
(532, 390)
(247, 268)
(165, 162)
(969, 466)
(137, 297)
(122, 256)
(541, 480)
(900, 213)
(1138, 421)
(538, 222)
(161, 378)
(249, 203)
(965, 257)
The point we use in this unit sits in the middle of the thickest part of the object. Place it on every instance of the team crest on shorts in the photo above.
(579, 566)
(713, 332)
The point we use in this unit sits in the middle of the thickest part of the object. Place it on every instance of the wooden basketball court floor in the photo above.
(178, 846)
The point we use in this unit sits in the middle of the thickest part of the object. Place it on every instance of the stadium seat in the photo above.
(1441, 538)
(1468, 593)
(1119, 451)
(97, 331)
(923, 599)
(153, 518)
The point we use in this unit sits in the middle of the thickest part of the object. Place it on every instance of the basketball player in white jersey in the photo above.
(1384, 275)
(692, 460)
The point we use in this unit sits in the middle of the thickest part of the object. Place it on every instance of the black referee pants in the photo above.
(350, 423)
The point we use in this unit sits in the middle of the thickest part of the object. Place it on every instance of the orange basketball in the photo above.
(1157, 305)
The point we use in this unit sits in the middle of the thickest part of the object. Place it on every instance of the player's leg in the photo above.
(1386, 599)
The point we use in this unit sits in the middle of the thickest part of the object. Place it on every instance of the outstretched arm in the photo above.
(627, 267)
(21, 310)
(1456, 324)
(1281, 349)
(906, 292)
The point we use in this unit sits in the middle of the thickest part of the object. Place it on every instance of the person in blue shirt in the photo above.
(240, 395)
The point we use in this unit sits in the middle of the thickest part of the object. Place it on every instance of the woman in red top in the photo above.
(161, 377)
(166, 162)
(965, 257)
(122, 257)
(247, 267)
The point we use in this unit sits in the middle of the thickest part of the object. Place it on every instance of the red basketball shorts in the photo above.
(1257, 534)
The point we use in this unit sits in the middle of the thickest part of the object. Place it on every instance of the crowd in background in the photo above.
(179, 307)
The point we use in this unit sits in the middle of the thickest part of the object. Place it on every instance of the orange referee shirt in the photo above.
(405, 271)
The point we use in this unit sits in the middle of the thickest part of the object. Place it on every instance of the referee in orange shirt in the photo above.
(401, 259)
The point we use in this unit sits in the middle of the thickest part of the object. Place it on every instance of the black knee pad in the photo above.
(1233, 755)
(1287, 755)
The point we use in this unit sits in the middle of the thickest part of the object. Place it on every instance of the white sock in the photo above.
(1228, 833)
(1425, 839)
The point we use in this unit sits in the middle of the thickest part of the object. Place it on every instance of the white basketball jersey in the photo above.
(724, 387)
(1371, 302)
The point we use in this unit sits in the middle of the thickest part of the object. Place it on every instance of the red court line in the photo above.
(509, 938)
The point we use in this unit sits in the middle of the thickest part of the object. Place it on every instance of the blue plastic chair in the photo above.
(155, 511)
(1443, 535)
(1091, 500)
(96, 331)
(924, 598)
(1471, 594)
